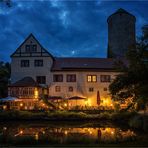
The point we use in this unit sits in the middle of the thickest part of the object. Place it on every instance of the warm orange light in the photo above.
(36, 136)
(65, 104)
(21, 104)
(88, 102)
(21, 132)
(65, 132)
(94, 78)
(36, 93)
(4, 107)
(88, 78)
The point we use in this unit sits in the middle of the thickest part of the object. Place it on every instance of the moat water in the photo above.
(62, 133)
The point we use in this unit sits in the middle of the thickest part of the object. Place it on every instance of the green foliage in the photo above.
(4, 78)
(133, 81)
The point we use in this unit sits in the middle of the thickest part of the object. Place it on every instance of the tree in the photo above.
(4, 78)
(133, 81)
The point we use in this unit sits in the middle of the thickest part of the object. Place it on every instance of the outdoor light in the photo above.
(65, 104)
(112, 132)
(4, 107)
(36, 136)
(36, 94)
(21, 132)
(4, 128)
(65, 132)
(21, 104)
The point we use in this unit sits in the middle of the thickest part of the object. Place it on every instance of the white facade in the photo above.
(23, 65)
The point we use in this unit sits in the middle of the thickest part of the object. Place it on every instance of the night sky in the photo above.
(64, 28)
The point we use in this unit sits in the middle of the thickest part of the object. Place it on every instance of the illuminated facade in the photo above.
(65, 82)
(81, 82)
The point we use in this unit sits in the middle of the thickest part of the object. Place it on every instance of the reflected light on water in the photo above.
(66, 134)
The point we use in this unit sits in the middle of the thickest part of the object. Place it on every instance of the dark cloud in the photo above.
(65, 28)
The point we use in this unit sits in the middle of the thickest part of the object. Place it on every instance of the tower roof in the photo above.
(119, 11)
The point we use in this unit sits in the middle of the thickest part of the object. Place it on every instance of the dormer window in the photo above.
(31, 48)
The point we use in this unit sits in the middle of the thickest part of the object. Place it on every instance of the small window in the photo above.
(91, 89)
(58, 78)
(34, 48)
(71, 78)
(31, 48)
(105, 89)
(41, 79)
(57, 88)
(105, 78)
(24, 63)
(38, 63)
(70, 89)
(27, 48)
(91, 78)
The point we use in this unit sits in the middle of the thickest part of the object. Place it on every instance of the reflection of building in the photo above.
(35, 73)
(66, 134)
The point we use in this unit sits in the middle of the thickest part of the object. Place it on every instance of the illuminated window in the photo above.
(57, 88)
(88, 78)
(91, 78)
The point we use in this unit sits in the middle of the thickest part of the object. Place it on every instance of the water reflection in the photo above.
(63, 135)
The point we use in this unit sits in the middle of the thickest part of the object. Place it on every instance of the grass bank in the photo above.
(64, 115)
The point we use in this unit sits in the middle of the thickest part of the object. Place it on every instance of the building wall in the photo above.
(18, 72)
(81, 87)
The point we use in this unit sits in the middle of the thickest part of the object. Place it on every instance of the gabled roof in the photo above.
(25, 82)
(31, 35)
(119, 11)
(83, 64)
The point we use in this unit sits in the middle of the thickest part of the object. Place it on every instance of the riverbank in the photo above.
(131, 119)
(11, 115)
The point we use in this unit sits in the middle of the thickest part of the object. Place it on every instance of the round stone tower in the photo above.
(121, 33)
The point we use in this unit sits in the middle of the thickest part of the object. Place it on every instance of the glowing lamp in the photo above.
(65, 104)
(21, 104)
(36, 93)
